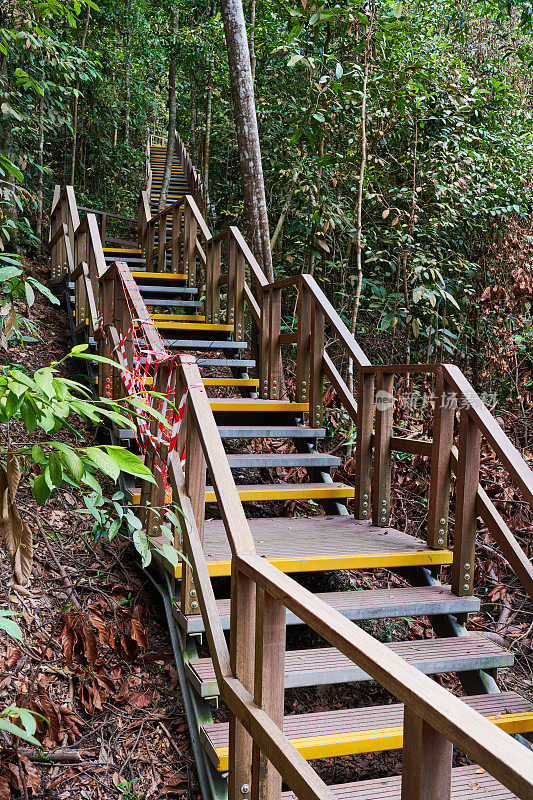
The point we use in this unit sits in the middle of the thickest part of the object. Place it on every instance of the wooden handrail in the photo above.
(493, 433)
(456, 722)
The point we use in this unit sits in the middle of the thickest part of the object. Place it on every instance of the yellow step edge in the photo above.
(192, 326)
(231, 382)
(120, 250)
(293, 491)
(373, 741)
(422, 558)
(167, 276)
(179, 317)
(252, 382)
(237, 404)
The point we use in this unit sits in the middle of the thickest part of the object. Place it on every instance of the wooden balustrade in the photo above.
(251, 674)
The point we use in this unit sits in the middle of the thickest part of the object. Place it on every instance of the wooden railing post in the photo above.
(195, 487)
(382, 450)
(469, 452)
(153, 495)
(303, 344)
(264, 341)
(316, 376)
(242, 660)
(274, 355)
(212, 294)
(162, 243)
(238, 322)
(441, 450)
(426, 761)
(175, 239)
(231, 255)
(363, 444)
(149, 246)
(190, 244)
(269, 686)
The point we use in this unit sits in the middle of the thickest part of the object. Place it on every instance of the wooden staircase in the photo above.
(182, 295)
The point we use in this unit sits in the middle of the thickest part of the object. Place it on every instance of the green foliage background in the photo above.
(447, 189)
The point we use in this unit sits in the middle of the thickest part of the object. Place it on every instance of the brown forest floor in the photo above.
(103, 672)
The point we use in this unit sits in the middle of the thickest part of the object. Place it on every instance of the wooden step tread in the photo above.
(327, 666)
(306, 544)
(166, 290)
(240, 404)
(406, 601)
(179, 317)
(288, 491)
(274, 460)
(171, 303)
(329, 734)
(159, 276)
(247, 382)
(120, 250)
(468, 783)
(225, 362)
(205, 344)
(208, 327)
(270, 432)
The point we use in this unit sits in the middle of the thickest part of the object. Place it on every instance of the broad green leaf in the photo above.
(129, 462)
(41, 489)
(9, 625)
(56, 470)
(45, 290)
(104, 462)
(14, 730)
(37, 453)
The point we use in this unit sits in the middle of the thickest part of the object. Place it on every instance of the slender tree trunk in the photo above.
(359, 228)
(75, 104)
(242, 91)
(171, 113)
(40, 164)
(193, 120)
(407, 249)
(252, 39)
(207, 140)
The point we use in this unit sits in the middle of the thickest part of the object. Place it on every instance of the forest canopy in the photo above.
(396, 142)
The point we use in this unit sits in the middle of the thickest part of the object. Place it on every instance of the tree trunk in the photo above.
(171, 114)
(40, 164)
(75, 105)
(359, 228)
(242, 91)
(252, 39)
(207, 141)
(193, 121)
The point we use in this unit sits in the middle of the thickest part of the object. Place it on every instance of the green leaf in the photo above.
(37, 453)
(41, 489)
(104, 462)
(7, 273)
(44, 290)
(79, 348)
(56, 470)
(129, 462)
(114, 529)
(30, 294)
(10, 727)
(10, 626)
(44, 379)
(72, 462)
(140, 540)
(27, 412)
